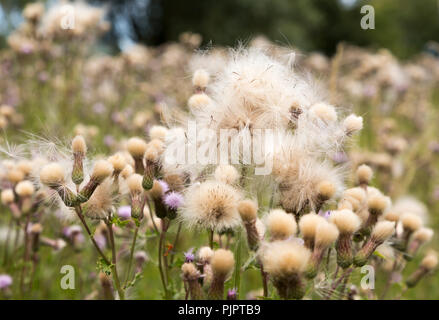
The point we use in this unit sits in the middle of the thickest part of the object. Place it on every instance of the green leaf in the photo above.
(104, 267)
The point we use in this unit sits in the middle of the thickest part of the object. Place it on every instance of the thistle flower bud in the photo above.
(191, 276)
(420, 236)
(25, 189)
(157, 192)
(380, 233)
(347, 224)
(134, 183)
(248, 210)
(53, 175)
(151, 167)
(7, 196)
(376, 204)
(285, 262)
(222, 264)
(352, 124)
(410, 223)
(364, 175)
(101, 170)
(324, 112)
(198, 101)
(205, 255)
(25, 166)
(127, 171)
(391, 216)
(326, 191)
(15, 175)
(79, 149)
(226, 174)
(118, 162)
(308, 225)
(427, 265)
(137, 147)
(158, 132)
(326, 234)
(200, 79)
(281, 225)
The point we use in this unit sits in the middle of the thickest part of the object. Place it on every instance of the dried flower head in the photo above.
(212, 205)
(226, 174)
(280, 224)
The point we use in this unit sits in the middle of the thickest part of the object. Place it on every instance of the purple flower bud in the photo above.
(174, 200)
(124, 212)
(189, 255)
(232, 294)
(339, 157)
(5, 281)
(325, 214)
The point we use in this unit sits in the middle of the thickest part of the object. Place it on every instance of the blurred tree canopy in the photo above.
(403, 26)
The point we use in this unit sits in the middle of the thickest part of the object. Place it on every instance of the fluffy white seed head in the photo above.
(25, 188)
(346, 221)
(52, 174)
(212, 205)
(326, 234)
(118, 162)
(430, 260)
(308, 224)
(248, 210)
(79, 145)
(423, 235)
(198, 101)
(364, 174)
(280, 224)
(324, 112)
(205, 254)
(134, 183)
(383, 230)
(226, 174)
(7, 196)
(136, 147)
(200, 78)
(222, 262)
(101, 170)
(284, 258)
(158, 132)
(411, 222)
(352, 123)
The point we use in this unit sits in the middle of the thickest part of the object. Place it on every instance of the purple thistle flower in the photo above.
(5, 281)
(325, 214)
(174, 200)
(232, 294)
(101, 241)
(164, 185)
(124, 212)
(189, 255)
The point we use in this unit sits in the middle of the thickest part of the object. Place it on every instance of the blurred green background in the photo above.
(403, 26)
